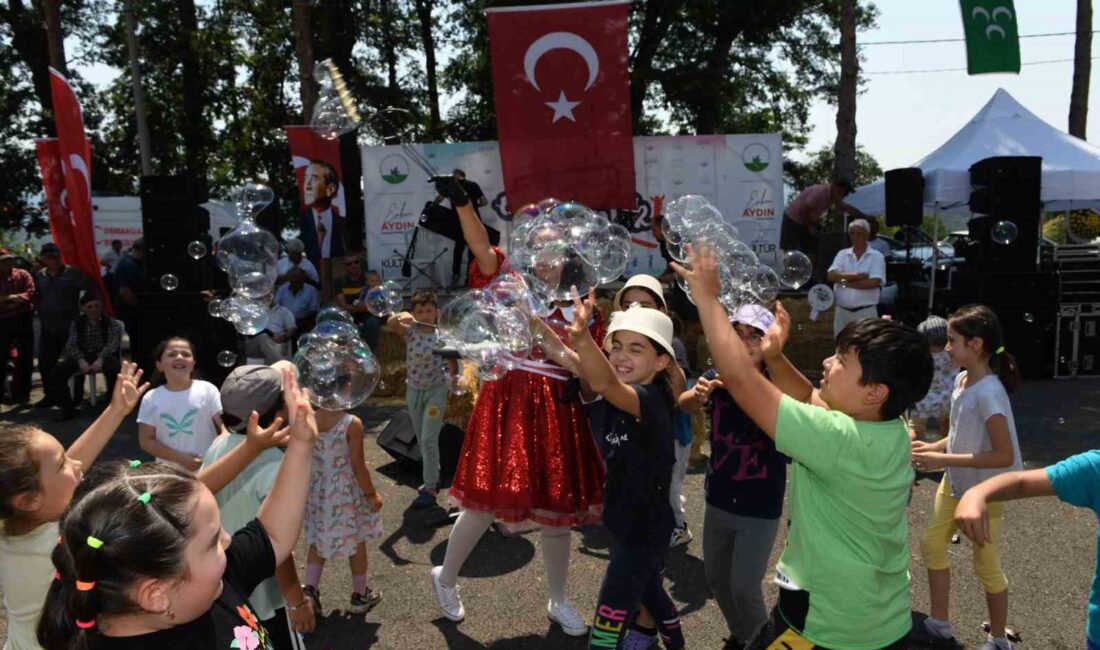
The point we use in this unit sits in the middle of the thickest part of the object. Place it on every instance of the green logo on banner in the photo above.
(992, 38)
(394, 169)
(756, 157)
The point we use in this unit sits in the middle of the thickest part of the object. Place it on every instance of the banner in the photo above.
(323, 219)
(561, 88)
(73, 154)
(741, 174)
(992, 38)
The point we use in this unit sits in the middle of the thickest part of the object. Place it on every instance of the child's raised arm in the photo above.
(359, 465)
(782, 372)
(127, 395)
(400, 322)
(595, 368)
(972, 515)
(218, 474)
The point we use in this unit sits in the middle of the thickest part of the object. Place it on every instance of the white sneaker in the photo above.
(564, 615)
(447, 598)
(680, 536)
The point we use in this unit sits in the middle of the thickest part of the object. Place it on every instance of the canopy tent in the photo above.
(1003, 127)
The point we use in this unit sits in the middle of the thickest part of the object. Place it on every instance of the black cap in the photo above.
(49, 248)
(138, 244)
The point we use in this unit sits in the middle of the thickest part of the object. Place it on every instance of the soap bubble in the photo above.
(1028, 317)
(384, 299)
(169, 282)
(335, 112)
(252, 198)
(613, 262)
(338, 377)
(335, 332)
(765, 284)
(247, 315)
(1004, 232)
(226, 358)
(1061, 420)
(196, 250)
(454, 382)
(332, 312)
(216, 308)
(795, 269)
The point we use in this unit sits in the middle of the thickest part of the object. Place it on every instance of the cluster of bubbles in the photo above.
(692, 219)
(490, 327)
(334, 363)
(335, 112)
(384, 299)
(249, 255)
(1004, 232)
(196, 250)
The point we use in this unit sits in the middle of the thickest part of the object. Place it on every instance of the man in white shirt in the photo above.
(300, 298)
(273, 344)
(111, 258)
(857, 274)
(296, 259)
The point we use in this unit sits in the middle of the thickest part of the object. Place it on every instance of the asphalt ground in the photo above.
(1048, 552)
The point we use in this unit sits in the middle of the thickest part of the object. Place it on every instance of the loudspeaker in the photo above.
(398, 439)
(904, 197)
(444, 221)
(172, 218)
(1006, 188)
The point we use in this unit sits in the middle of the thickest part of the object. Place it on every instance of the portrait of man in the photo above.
(321, 223)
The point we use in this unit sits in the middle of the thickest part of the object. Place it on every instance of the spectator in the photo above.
(802, 218)
(346, 294)
(58, 286)
(858, 273)
(17, 295)
(272, 344)
(130, 278)
(478, 200)
(92, 346)
(300, 298)
(876, 242)
(295, 259)
(112, 257)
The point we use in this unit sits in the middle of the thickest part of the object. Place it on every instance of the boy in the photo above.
(248, 390)
(427, 385)
(1075, 480)
(843, 577)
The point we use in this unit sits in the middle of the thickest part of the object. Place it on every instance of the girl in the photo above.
(635, 418)
(981, 443)
(344, 509)
(143, 562)
(178, 420)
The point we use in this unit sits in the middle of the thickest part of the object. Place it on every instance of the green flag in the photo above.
(992, 40)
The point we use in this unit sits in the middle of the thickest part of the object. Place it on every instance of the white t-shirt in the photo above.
(284, 265)
(281, 321)
(25, 576)
(872, 263)
(971, 408)
(184, 419)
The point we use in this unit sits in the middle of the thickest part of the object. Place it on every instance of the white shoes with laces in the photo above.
(447, 598)
(564, 615)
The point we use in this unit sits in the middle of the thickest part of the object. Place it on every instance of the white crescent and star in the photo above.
(563, 107)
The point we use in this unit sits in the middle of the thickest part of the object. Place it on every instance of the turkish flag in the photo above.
(562, 93)
(73, 154)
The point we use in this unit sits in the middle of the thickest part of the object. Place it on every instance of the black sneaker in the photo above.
(314, 595)
(363, 603)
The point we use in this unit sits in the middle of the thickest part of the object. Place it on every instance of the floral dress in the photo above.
(337, 514)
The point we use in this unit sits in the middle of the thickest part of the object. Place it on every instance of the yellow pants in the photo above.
(933, 546)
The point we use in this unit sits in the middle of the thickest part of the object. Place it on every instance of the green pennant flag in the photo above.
(992, 40)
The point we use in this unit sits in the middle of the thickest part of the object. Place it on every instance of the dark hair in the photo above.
(657, 300)
(892, 354)
(139, 540)
(18, 469)
(158, 352)
(979, 321)
(331, 177)
(424, 296)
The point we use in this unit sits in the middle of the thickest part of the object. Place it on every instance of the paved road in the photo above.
(1048, 553)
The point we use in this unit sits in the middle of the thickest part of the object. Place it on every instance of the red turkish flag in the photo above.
(76, 239)
(562, 93)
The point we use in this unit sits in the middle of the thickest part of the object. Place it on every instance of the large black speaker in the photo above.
(171, 219)
(904, 197)
(1006, 188)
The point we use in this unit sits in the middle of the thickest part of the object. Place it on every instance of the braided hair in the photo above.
(112, 536)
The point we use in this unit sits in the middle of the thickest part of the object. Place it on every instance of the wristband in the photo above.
(292, 608)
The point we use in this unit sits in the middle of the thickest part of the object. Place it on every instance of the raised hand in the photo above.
(303, 422)
(776, 336)
(702, 277)
(704, 387)
(263, 438)
(128, 387)
(582, 313)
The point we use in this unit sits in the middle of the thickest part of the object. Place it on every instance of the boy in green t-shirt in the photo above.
(843, 577)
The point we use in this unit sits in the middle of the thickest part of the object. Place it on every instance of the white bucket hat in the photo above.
(643, 281)
(753, 316)
(641, 320)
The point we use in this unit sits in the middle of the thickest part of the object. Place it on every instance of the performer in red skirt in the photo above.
(527, 456)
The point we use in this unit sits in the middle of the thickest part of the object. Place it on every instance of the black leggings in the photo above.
(633, 578)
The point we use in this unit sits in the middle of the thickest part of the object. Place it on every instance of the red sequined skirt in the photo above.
(528, 456)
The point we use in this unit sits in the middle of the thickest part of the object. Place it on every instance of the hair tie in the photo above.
(85, 625)
(56, 574)
(1000, 350)
(134, 464)
(144, 497)
(85, 586)
(94, 542)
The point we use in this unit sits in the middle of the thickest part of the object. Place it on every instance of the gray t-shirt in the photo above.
(971, 408)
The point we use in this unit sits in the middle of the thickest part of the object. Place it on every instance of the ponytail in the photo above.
(979, 321)
(1004, 364)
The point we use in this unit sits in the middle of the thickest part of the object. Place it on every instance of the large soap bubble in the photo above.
(335, 112)
(1004, 232)
(795, 269)
(332, 312)
(338, 377)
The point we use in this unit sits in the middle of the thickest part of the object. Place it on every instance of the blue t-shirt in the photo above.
(745, 474)
(639, 454)
(1076, 481)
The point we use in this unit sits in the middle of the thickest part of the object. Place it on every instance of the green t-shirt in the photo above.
(238, 503)
(848, 544)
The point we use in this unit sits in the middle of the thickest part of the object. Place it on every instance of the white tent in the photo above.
(1071, 167)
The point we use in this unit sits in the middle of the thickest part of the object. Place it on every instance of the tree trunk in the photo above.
(845, 148)
(655, 26)
(1082, 68)
(424, 14)
(29, 40)
(303, 48)
(716, 63)
(55, 37)
(144, 143)
(389, 47)
(194, 90)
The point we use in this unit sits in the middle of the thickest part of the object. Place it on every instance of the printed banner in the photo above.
(327, 229)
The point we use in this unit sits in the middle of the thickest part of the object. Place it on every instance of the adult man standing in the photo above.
(294, 259)
(802, 218)
(300, 298)
(112, 257)
(58, 286)
(321, 223)
(130, 277)
(17, 294)
(858, 274)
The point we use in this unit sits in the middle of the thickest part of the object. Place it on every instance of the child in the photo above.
(247, 392)
(635, 418)
(981, 443)
(143, 560)
(937, 403)
(343, 509)
(745, 483)
(1075, 480)
(427, 385)
(844, 572)
(178, 421)
(37, 479)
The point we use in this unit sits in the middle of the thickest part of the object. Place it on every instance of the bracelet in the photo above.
(291, 608)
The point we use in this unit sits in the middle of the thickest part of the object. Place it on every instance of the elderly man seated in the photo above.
(295, 259)
(92, 346)
(300, 298)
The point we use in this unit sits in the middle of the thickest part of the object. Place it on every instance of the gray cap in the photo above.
(250, 388)
(934, 329)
